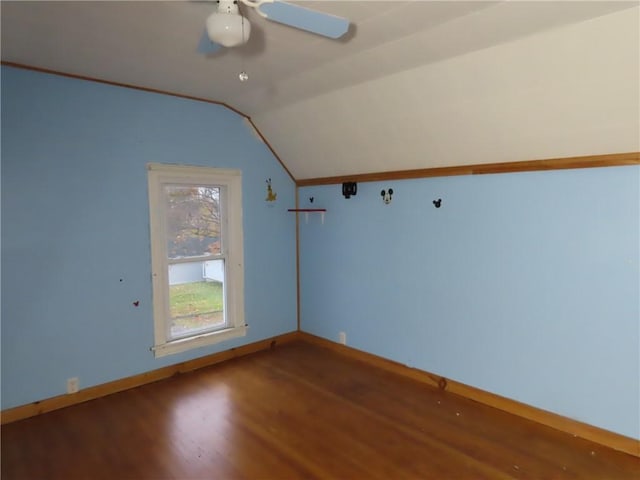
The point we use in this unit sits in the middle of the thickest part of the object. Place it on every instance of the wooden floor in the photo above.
(297, 411)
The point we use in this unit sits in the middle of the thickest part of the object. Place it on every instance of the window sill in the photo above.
(203, 340)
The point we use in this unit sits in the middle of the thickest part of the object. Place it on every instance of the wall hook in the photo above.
(386, 196)
(349, 189)
(437, 203)
(271, 195)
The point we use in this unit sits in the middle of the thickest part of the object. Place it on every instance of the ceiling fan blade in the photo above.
(205, 45)
(304, 18)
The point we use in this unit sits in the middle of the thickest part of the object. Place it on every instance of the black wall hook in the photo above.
(437, 203)
(349, 189)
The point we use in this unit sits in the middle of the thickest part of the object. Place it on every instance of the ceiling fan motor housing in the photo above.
(226, 26)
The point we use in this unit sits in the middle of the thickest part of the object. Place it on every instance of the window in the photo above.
(196, 256)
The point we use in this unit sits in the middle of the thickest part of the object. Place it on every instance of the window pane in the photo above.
(196, 297)
(193, 220)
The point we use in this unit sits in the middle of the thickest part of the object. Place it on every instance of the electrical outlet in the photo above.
(73, 385)
(342, 338)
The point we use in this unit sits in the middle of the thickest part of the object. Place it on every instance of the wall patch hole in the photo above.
(437, 203)
(136, 303)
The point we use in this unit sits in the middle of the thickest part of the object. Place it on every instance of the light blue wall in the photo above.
(75, 222)
(525, 285)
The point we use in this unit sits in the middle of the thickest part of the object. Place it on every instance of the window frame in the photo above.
(230, 181)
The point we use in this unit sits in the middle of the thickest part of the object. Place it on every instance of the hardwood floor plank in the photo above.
(363, 434)
(484, 432)
(297, 411)
(460, 422)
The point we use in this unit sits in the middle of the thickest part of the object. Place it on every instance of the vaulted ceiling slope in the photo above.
(414, 84)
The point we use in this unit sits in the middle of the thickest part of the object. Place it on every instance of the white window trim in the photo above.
(158, 175)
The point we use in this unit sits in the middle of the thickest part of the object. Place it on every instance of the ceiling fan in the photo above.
(226, 27)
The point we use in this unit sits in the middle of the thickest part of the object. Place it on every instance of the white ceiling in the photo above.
(153, 44)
